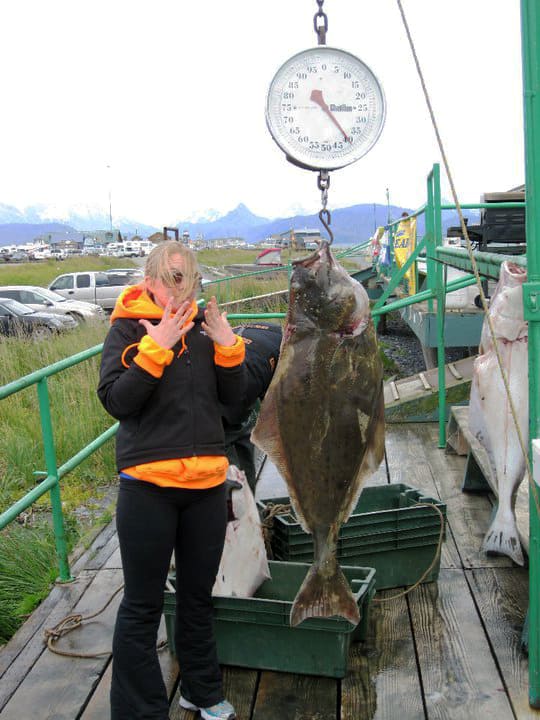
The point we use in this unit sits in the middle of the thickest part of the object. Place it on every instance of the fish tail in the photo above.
(502, 537)
(324, 595)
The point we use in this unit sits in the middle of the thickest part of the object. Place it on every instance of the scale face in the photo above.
(325, 108)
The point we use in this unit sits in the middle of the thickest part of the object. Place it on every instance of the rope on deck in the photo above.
(70, 623)
(433, 562)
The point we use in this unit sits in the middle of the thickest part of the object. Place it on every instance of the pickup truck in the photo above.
(99, 287)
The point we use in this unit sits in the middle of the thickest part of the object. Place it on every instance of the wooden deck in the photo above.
(448, 650)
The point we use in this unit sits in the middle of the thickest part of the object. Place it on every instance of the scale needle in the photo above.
(317, 97)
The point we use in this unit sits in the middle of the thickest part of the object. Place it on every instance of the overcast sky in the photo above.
(162, 103)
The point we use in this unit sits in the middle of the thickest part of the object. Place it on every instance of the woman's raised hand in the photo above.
(172, 326)
(216, 325)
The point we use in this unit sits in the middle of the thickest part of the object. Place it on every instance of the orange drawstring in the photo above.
(123, 357)
(184, 346)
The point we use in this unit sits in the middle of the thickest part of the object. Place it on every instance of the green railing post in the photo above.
(52, 472)
(441, 302)
(530, 32)
(430, 243)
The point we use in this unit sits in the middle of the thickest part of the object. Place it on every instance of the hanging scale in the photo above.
(325, 109)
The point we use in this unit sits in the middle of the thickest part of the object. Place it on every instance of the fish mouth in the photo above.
(316, 256)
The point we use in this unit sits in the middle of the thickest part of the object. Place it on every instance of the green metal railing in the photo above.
(51, 483)
(436, 257)
(54, 473)
(530, 32)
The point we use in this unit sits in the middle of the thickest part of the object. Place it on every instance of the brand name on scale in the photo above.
(341, 108)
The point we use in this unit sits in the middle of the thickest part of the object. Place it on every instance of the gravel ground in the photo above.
(401, 345)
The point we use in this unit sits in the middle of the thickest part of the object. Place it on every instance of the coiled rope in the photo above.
(71, 622)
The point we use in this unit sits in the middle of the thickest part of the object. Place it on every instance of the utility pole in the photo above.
(110, 199)
(389, 219)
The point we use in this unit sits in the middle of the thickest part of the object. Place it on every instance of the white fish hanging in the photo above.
(490, 418)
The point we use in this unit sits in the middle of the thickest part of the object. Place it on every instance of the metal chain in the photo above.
(320, 23)
(323, 183)
(320, 27)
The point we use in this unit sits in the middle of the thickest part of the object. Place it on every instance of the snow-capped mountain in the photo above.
(349, 225)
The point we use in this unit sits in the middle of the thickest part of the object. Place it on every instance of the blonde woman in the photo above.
(167, 370)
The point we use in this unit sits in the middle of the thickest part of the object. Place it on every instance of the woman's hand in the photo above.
(217, 326)
(171, 327)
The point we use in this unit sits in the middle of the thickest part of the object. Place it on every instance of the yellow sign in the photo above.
(404, 244)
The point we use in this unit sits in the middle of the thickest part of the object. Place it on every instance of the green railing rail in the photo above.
(230, 279)
(530, 32)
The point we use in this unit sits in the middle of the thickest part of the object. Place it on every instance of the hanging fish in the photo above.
(322, 419)
(490, 418)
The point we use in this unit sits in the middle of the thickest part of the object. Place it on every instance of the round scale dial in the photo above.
(325, 108)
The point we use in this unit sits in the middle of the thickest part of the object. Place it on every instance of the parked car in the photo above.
(45, 300)
(19, 256)
(99, 287)
(20, 320)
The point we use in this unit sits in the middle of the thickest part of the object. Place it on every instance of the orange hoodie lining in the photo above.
(193, 473)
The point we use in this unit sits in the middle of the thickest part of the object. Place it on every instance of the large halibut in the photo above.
(490, 417)
(322, 419)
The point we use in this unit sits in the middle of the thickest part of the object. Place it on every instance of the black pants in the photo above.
(151, 522)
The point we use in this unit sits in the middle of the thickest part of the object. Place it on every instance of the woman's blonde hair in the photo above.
(157, 266)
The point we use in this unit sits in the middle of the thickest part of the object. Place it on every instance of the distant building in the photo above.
(300, 239)
(271, 256)
(157, 237)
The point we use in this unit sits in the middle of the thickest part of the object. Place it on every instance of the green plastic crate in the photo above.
(386, 531)
(255, 632)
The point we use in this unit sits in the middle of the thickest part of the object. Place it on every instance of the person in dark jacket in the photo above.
(263, 341)
(167, 371)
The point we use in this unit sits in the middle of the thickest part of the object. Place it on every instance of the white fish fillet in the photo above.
(490, 418)
(244, 565)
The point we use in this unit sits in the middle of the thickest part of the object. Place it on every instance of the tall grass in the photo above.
(27, 570)
(28, 562)
(77, 415)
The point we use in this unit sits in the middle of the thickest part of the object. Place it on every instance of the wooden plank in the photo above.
(408, 464)
(455, 439)
(382, 681)
(379, 477)
(91, 558)
(469, 515)
(239, 686)
(102, 554)
(459, 675)
(282, 696)
(270, 483)
(99, 706)
(114, 562)
(58, 604)
(26, 646)
(60, 686)
(502, 598)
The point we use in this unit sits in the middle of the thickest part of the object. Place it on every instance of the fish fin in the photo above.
(502, 538)
(324, 596)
